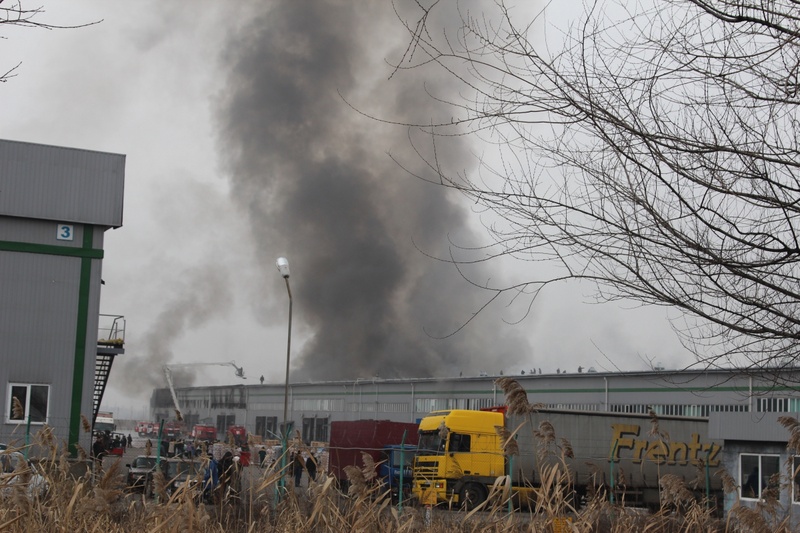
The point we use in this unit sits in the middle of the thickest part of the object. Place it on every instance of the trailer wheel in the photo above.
(471, 496)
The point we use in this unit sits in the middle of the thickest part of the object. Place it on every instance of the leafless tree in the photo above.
(650, 150)
(15, 14)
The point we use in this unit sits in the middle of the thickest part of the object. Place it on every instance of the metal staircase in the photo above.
(102, 370)
(110, 344)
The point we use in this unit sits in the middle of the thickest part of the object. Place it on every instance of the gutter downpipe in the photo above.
(413, 403)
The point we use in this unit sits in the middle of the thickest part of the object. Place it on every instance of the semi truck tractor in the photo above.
(460, 455)
(381, 439)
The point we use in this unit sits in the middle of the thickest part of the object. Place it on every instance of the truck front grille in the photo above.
(426, 469)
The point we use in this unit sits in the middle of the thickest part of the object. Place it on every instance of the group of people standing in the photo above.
(298, 465)
(222, 479)
(105, 442)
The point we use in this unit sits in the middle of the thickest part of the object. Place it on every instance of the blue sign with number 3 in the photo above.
(65, 232)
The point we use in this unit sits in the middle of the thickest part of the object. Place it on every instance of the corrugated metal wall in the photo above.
(44, 278)
(61, 184)
(26, 230)
(37, 328)
(403, 400)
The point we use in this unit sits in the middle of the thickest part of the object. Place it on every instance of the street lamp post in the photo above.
(283, 267)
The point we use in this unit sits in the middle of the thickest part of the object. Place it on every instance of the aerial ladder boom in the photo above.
(168, 376)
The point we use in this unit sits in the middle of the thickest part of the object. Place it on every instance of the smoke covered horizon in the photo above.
(315, 180)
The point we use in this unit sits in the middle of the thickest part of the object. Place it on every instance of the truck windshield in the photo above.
(430, 443)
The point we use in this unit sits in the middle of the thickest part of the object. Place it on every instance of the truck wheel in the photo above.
(471, 496)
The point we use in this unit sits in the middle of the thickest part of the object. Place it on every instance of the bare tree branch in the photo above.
(14, 14)
(654, 153)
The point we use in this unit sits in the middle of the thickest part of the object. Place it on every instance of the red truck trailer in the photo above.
(349, 439)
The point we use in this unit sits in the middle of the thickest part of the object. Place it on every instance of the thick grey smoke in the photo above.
(316, 181)
(202, 294)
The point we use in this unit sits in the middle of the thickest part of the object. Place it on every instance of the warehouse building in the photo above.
(312, 406)
(55, 206)
(741, 409)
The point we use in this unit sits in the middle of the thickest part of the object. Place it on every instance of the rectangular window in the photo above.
(24, 400)
(459, 443)
(223, 423)
(757, 473)
(315, 429)
(267, 427)
(773, 405)
(795, 479)
(191, 420)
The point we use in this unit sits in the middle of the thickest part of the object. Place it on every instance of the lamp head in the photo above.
(283, 266)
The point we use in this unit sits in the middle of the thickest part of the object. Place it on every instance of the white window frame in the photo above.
(761, 488)
(27, 406)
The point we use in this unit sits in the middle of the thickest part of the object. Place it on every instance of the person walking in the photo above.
(98, 452)
(98, 449)
(298, 469)
(210, 481)
(311, 468)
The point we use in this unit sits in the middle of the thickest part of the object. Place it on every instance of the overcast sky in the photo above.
(239, 150)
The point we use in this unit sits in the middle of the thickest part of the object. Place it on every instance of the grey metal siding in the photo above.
(763, 427)
(37, 327)
(396, 399)
(61, 184)
(24, 230)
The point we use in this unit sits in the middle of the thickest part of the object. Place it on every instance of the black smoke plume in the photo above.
(317, 183)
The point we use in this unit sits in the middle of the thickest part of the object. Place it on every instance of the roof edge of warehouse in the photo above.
(63, 185)
(61, 147)
(563, 375)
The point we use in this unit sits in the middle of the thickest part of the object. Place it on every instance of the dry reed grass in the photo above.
(78, 499)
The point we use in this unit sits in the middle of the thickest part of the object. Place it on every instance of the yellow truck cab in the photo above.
(458, 456)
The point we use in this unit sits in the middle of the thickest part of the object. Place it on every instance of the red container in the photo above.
(349, 439)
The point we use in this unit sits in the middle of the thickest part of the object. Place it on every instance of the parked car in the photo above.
(140, 473)
(186, 474)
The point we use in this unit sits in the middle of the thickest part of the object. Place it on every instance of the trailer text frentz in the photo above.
(661, 451)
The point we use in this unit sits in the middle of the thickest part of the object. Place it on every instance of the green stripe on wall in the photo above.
(80, 339)
(85, 251)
